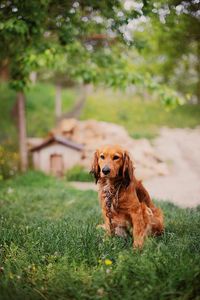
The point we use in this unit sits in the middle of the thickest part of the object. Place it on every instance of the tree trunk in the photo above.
(4, 70)
(22, 131)
(58, 101)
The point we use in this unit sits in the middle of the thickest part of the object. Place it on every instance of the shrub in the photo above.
(78, 173)
(9, 162)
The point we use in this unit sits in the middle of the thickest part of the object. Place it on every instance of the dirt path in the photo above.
(180, 148)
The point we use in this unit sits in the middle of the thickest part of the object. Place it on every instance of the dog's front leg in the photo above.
(106, 226)
(139, 227)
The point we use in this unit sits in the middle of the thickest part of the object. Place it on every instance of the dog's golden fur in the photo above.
(131, 203)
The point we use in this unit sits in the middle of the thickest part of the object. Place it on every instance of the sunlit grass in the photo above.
(50, 248)
(142, 118)
(40, 106)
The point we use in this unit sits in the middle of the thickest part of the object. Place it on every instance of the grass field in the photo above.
(50, 248)
(40, 107)
(140, 118)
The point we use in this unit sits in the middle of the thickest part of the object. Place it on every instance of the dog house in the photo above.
(55, 155)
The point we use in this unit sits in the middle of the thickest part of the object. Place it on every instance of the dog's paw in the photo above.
(138, 244)
(120, 231)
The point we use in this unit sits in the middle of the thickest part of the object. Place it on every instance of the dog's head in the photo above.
(112, 162)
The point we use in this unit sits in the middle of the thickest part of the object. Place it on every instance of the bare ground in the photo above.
(180, 149)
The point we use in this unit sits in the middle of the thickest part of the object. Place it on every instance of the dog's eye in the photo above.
(102, 156)
(115, 157)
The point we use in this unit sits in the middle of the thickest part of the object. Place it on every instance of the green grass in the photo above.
(50, 248)
(140, 118)
(78, 173)
(40, 107)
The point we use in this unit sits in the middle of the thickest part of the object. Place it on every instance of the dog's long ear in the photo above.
(95, 169)
(127, 170)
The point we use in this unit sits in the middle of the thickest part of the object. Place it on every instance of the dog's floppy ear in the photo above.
(95, 169)
(127, 170)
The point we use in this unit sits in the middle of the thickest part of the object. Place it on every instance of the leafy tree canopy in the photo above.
(59, 34)
(87, 40)
(169, 42)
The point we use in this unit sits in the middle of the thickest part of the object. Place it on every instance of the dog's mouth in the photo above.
(110, 175)
(105, 175)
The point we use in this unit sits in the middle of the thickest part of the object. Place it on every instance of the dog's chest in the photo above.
(112, 197)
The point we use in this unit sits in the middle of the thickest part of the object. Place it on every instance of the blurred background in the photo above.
(78, 74)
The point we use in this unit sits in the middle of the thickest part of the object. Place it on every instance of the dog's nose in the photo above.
(106, 170)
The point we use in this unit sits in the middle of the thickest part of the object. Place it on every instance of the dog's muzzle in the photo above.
(106, 170)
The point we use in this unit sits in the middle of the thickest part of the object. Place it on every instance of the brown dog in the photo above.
(124, 200)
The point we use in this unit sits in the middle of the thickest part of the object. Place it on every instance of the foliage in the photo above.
(85, 42)
(51, 249)
(170, 45)
(78, 173)
(9, 162)
(46, 34)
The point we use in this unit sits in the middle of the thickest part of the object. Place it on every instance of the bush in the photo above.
(78, 173)
(9, 162)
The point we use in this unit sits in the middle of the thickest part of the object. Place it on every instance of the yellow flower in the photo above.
(33, 268)
(108, 262)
